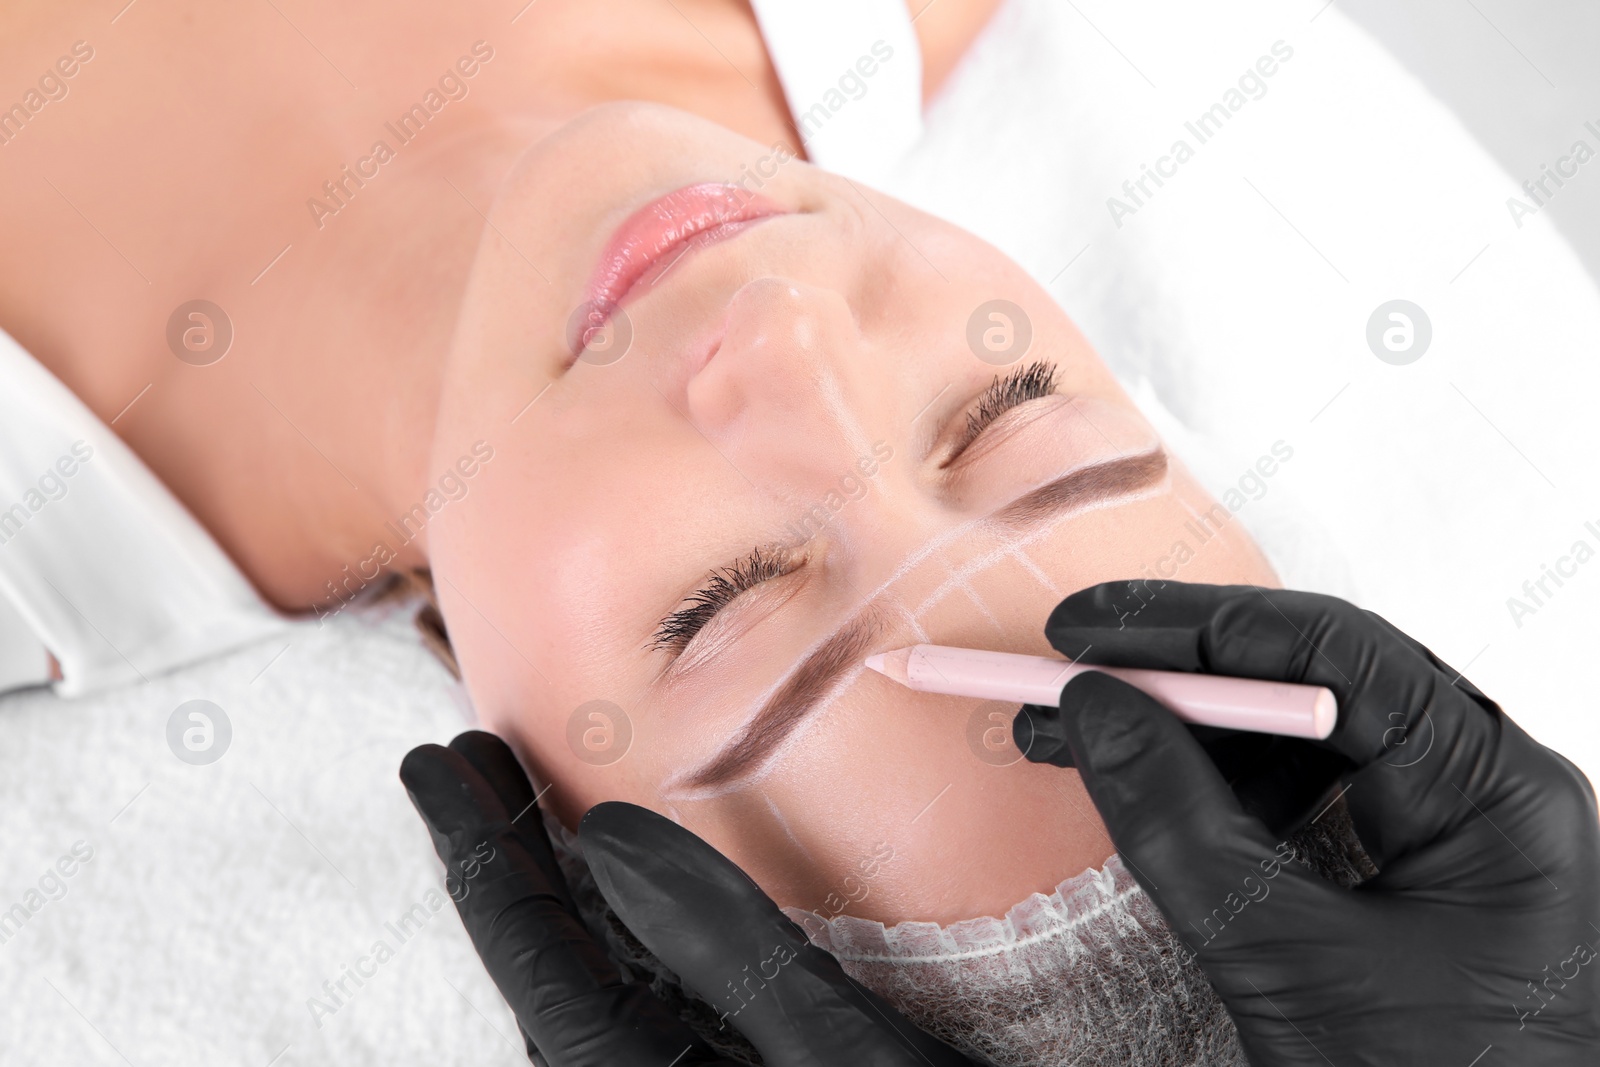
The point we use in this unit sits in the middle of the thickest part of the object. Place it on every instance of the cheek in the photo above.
(533, 606)
(584, 753)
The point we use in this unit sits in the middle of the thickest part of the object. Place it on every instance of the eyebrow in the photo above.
(817, 674)
(793, 701)
(1087, 485)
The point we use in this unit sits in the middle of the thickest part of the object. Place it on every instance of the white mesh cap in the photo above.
(1088, 975)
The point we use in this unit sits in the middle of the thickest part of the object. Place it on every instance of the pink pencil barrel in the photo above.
(1206, 699)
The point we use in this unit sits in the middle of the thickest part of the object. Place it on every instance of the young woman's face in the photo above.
(801, 421)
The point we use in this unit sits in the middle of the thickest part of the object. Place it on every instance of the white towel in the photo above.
(218, 898)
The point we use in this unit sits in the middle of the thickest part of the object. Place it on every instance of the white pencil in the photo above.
(1206, 699)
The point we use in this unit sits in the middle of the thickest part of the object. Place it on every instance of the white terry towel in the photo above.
(218, 898)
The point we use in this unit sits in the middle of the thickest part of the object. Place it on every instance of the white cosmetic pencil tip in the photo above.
(892, 664)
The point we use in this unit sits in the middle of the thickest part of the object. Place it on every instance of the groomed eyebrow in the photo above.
(817, 674)
(793, 701)
(1088, 485)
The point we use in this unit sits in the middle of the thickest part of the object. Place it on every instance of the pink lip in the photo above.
(702, 214)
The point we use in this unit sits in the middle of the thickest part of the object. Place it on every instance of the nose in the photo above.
(786, 394)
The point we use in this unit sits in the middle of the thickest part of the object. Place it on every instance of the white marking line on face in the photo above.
(850, 428)
(754, 778)
(1033, 568)
(977, 601)
(916, 627)
(1197, 517)
(915, 559)
(788, 832)
(912, 619)
(957, 580)
(988, 559)
(847, 421)
(670, 788)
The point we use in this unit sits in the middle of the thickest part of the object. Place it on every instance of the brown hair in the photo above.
(418, 582)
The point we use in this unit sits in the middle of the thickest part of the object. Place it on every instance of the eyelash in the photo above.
(721, 589)
(1035, 380)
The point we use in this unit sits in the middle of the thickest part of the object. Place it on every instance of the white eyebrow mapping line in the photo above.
(932, 545)
(916, 627)
(1037, 529)
(788, 831)
(983, 609)
(889, 607)
(849, 425)
(1027, 564)
(977, 601)
(958, 578)
(1194, 511)
(847, 679)
(914, 559)
(1038, 532)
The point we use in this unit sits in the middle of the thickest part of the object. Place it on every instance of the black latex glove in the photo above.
(693, 908)
(1477, 943)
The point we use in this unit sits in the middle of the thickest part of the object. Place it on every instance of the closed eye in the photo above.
(1036, 380)
(723, 587)
(728, 583)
